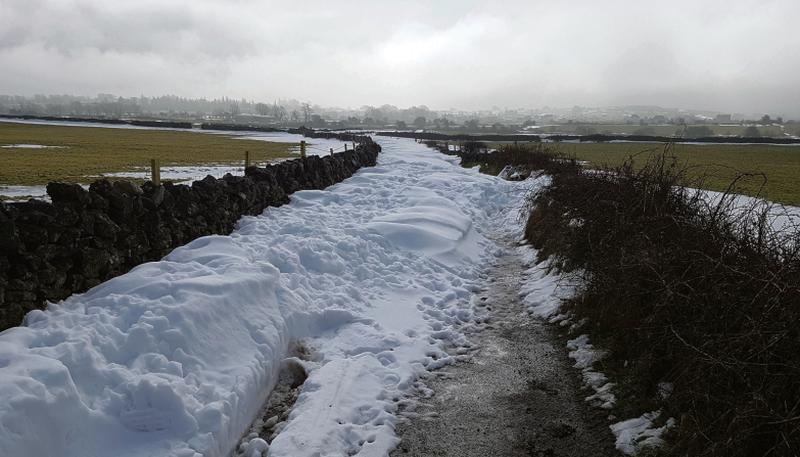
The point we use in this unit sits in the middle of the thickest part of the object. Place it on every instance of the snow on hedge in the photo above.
(176, 357)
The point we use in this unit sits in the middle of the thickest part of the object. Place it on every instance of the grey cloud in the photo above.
(730, 55)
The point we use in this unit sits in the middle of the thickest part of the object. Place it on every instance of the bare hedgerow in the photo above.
(689, 288)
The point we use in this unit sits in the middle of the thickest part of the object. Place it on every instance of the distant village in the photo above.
(296, 113)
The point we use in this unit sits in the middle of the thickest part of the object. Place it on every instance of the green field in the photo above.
(661, 130)
(86, 153)
(717, 165)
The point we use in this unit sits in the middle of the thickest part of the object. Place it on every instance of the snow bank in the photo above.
(176, 357)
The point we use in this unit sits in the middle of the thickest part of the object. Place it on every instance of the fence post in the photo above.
(354, 145)
(246, 159)
(302, 148)
(155, 172)
(331, 151)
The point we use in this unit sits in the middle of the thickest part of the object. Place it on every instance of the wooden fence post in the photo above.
(155, 172)
(331, 151)
(246, 159)
(302, 148)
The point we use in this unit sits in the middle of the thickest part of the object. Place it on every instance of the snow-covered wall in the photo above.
(50, 250)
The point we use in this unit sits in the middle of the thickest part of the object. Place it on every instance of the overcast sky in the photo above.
(734, 55)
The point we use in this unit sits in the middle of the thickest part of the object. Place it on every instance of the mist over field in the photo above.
(736, 56)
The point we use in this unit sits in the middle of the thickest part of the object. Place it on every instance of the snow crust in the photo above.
(176, 357)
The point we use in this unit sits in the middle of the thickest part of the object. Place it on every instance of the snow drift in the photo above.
(177, 356)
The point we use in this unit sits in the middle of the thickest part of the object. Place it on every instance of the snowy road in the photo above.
(518, 395)
(176, 358)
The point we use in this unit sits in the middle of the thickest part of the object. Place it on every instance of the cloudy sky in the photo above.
(734, 55)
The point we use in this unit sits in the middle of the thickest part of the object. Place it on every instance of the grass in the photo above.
(89, 152)
(664, 130)
(717, 165)
(710, 166)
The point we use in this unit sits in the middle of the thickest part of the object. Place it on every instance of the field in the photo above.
(661, 130)
(717, 165)
(82, 154)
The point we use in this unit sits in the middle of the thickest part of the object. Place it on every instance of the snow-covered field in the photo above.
(176, 357)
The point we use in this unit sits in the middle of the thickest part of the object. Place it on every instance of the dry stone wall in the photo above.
(50, 250)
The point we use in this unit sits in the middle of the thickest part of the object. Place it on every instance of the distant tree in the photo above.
(499, 128)
(751, 131)
(420, 122)
(779, 120)
(76, 107)
(279, 112)
(442, 123)
(765, 119)
(698, 131)
(368, 121)
(295, 116)
(529, 123)
(317, 120)
(402, 125)
(307, 112)
(378, 113)
(472, 125)
(262, 109)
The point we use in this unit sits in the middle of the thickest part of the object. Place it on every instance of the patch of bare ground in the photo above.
(275, 412)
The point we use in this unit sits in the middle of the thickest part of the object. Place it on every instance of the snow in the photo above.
(543, 290)
(585, 356)
(314, 146)
(23, 192)
(177, 357)
(182, 174)
(781, 217)
(30, 146)
(639, 433)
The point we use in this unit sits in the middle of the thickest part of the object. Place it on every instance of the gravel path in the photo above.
(518, 396)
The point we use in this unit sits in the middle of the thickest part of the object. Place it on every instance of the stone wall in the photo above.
(49, 251)
(102, 120)
(594, 138)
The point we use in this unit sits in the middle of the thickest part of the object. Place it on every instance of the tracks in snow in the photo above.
(518, 396)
